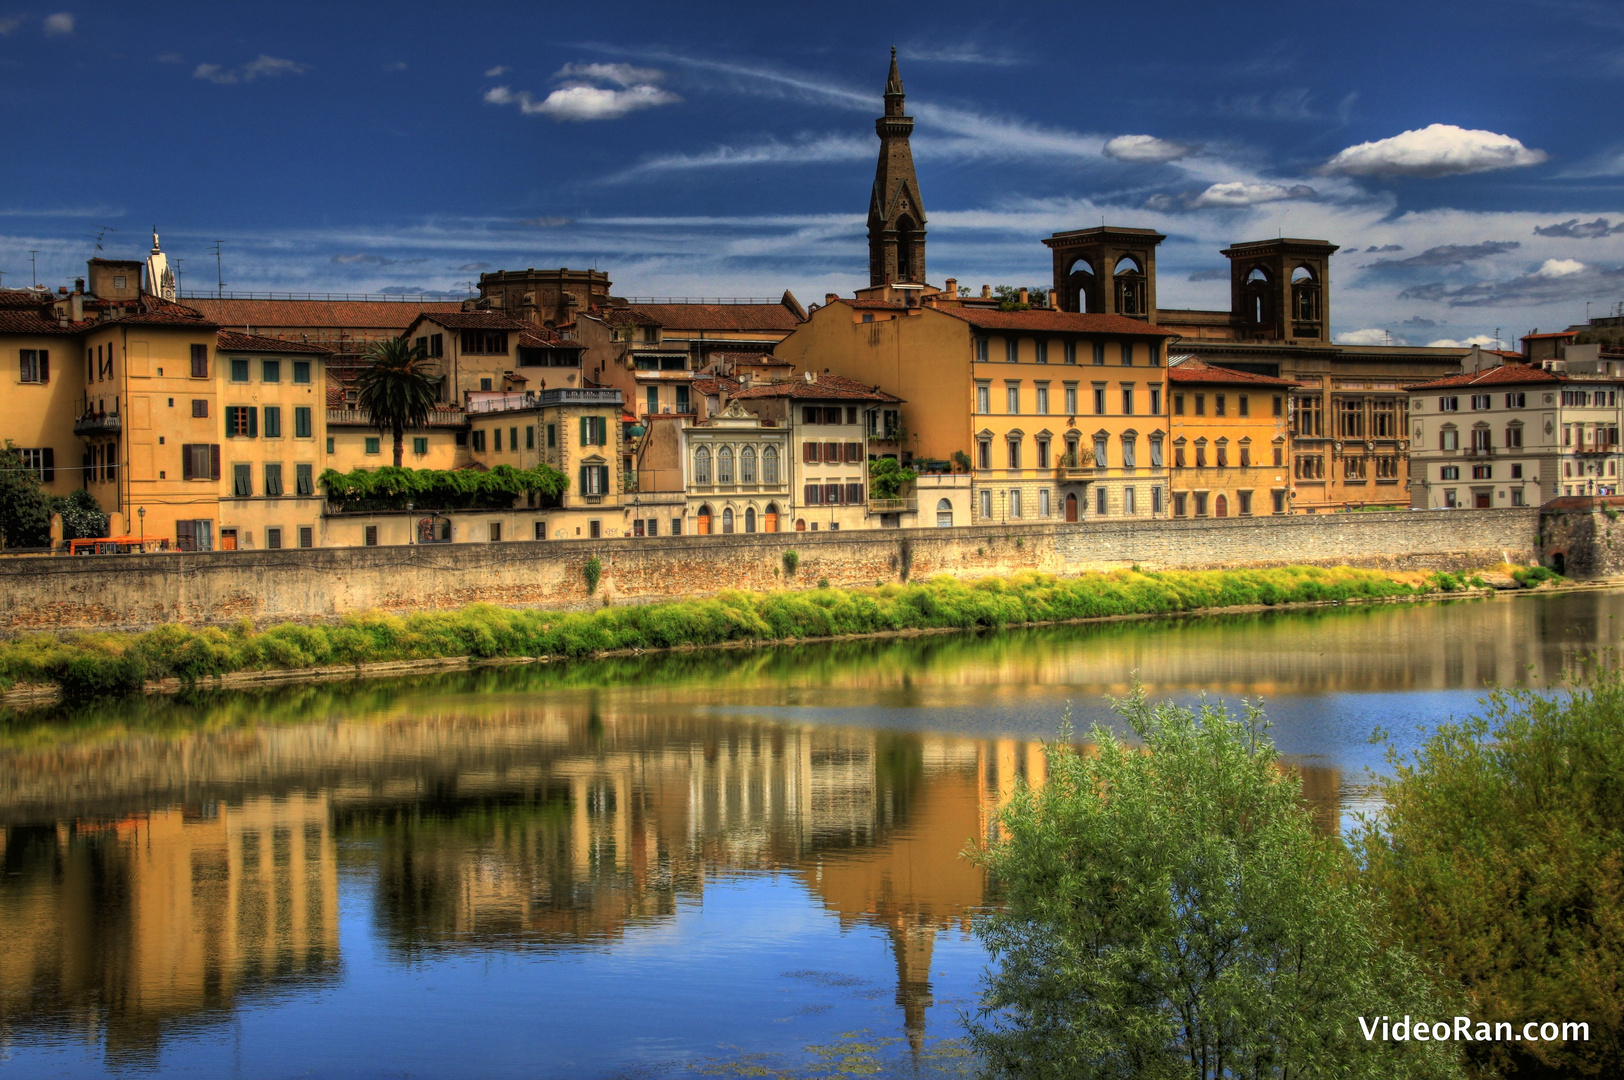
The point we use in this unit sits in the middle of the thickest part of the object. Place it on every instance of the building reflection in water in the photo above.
(159, 876)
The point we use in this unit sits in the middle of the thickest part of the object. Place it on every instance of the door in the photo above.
(228, 539)
(1220, 506)
(1071, 506)
(1482, 500)
(703, 522)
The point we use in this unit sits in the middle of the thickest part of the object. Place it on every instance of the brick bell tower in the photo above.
(896, 215)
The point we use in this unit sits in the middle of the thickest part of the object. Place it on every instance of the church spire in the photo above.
(896, 215)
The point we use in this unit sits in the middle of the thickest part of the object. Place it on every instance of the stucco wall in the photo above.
(143, 590)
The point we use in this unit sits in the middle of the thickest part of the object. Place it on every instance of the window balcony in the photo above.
(98, 424)
(1478, 452)
(908, 505)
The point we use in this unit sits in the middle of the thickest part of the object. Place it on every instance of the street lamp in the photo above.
(141, 514)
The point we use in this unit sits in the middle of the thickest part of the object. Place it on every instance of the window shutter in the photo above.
(585, 440)
(253, 422)
(231, 420)
(44, 366)
(582, 486)
(809, 451)
(809, 495)
(49, 453)
(185, 538)
(854, 493)
(831, 494)
(186, 462)
(603, 473)
(214, 461)
(22, 365)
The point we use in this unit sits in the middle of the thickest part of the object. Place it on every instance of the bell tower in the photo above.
(896, 215)
(1279, 290)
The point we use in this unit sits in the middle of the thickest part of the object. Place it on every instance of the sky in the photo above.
(1467, 157)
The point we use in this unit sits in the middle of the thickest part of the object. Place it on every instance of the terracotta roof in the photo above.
(1505, 375)
(13, 321)
(337, 314)
(474, 320)
(234, 342)
(1056, 322)
(1558, 333)
(721, 316)
(538, 338)
(874, 305)
(754, 358)
(1194, 371)
(23, 298)
(827, 388)
(718, 385)
(624, 317)
(166, 315)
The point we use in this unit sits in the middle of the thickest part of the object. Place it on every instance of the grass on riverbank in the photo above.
(87, 664)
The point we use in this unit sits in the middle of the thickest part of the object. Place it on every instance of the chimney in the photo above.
(1051, 299)
(986, 292)
(952, 288)
(1025, 297)
(78, 284)
(830, 297)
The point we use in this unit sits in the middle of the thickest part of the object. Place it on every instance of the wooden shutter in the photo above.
(854, 451)
(186, 461)
(185, 536)
(854, 493)
(582, 482)
(49, 453)
(214, 461)
(44, 366)
(831, 451)
(809, 414)
(809, 451)
(809, 495)
(585, 437)
(253, 422)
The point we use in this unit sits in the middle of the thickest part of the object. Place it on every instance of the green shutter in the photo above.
(582, 486)
(253, 422)
(586, 438)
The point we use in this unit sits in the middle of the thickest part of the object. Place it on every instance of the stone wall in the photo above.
(1583, 537)
(39, 592)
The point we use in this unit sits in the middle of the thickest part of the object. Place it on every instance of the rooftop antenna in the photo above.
(101, 231)
(174, 264)
(219, 269)
(33, 267)
(3, 274)
(1497, 339)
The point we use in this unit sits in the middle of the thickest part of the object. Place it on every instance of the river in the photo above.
(722, 862)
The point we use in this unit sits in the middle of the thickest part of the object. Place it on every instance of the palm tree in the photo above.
(398, 390)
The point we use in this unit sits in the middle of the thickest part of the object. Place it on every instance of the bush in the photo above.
(593, 572)
(1498, 856)
(392, 487)
(1447, 582)
(887, 478)
(1173, 911)
(792, 560)
(1534, 576)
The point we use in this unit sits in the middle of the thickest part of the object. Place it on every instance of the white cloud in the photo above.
(1559, 268)
(1140, 148)
(580, 99)
(807, 149)
(60, 23)
(1240, 193)
(1435, 150)
(496, 71)
(968, 53)
(1370, 336)
(1481, 340)
(263, 67)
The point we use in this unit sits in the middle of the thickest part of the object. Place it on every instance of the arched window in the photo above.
(1257, 295)
(907, 236)
(702, 473)
(724, 465)
(747, 468)
(800, 524)
(727, 519)
(1130, 286)
(750, 519)
(1305, 295)
(769, 465)
(944, 513)
(1080, 285)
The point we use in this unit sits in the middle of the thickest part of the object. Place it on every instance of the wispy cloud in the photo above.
(495, 72)
(1574, 229)
(398, 65)
(8, 24)
(965, 53)
(262, 68)
(1446, 255)
(1557, 281)
(805, 150)
(59, 24)
(584, 97)
(1240, 193)
(1432, 151)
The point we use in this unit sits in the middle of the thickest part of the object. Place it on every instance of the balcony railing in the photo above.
(98, 424)
(1071, 467)
(893, 506)
(362, 418)
(1479, 451)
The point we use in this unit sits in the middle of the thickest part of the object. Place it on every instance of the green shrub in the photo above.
(1534, 576)
(823, 583)
(1444, 581)
(593, 572)
(792, 560)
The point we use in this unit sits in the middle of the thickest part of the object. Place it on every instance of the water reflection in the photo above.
(168, 861)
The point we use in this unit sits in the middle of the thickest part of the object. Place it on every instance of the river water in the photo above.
(714, 863)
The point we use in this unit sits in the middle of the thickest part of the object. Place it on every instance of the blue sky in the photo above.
(1469, 157)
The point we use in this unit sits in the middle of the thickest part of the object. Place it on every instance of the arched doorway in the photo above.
(800, 524)
(750, 519)
(1559, 563)
(1220, 506)
(770, 519)
(702, 521)
(727, 519)
(944, 514)
(1071, 506)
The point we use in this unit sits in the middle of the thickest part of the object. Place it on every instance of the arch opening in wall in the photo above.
(1130, 286)
(770, 518)
(727, 519)
(1079, 283)
(944, 513)
(702, 520)
(749, 519)
(1305, 295)
(907, 237)
(1257, 297)
(1220, 506)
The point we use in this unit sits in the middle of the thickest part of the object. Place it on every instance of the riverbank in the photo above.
(42, 668)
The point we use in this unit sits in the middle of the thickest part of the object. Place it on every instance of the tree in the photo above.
(25, 516)
(82, 516)
(887, 478)
(1009, 297)
(397, 390)
(1500, 855)
(1172, 911)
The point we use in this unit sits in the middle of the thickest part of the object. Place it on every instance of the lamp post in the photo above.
(637, 511)
(141, 515)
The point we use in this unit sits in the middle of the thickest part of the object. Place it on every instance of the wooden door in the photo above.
(1220, 506)
(703, 526)
(1071, 506)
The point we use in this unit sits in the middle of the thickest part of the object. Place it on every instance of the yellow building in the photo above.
(1060, 414)
(1231, 449)
(37, 414)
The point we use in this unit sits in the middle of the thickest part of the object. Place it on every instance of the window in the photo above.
(1449, 439)
(1221, 450)
(307, 536)
(1014, 502)
(944, 514)
(373, 446)
(1156, 451)
(34, 365)
(200, 461)
(1200, 504)
(369, 536)
(1310, 467)
(983, 453)
(1201, 453)
(1449, 404)
(1516, 401)
(1449, 472)
(1012, 398)
(1012, 351)
(484, 384)
(200, 407)
(1480, 439)
(239, 370)
(702, 465)
(769, 465)
(1279, 455)
(496, 440)
(1387, 468)
(273, 479)
(1201, 404)
(868, 316)
(1244, 404)
(195, 535)
(271, 370)
(301, 421)
(1071, 399)
(1279, 498)
(1071, 352)
(200, 365)
(1482, 472)
(1014, 444)
(1244, 499)
(1099, 451)
(724, 465)
(1099, 501)
(1514, 436)
(1384, 418)
(1155, 401)
(1099, 354)
(1043, 399)
(594, 431)
(1178, 404)
(981, 349)
(1128, 500)
(983, 398)
(304, 479)
(495, 532)
(242, 422)
(1350, 419)
(1041, 346)
(1218, 405)
(854, 493)
(40, 461)
(1180, 504)
(1178, 455)
(1279, 405)
(1043, 453)
(594, 480)
(552, 436)
(1246, 456)
(812, 494)
(986, 505)
(273, 538)
(1353, 468)
(485, 342)
(1126, 350)
(1099, 401)
(1127, 399)
(301, 371)
(242, 481)
(273, 421)
(331, 441)
(594, 528)
(1129, 447)
(1310, 416)
(1043, 502)
(1517, 497)
(1481, 401)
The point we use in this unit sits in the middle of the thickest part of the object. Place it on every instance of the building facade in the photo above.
(1231, 451)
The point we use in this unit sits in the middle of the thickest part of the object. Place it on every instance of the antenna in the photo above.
(101, 231)
(219, 269)
(3, 274)
(174, 264)
(33, 266)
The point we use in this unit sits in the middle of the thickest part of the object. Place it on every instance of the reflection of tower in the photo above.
(912, 939)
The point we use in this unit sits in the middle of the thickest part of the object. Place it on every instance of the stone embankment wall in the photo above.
(1583, 537)
(133, 591)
